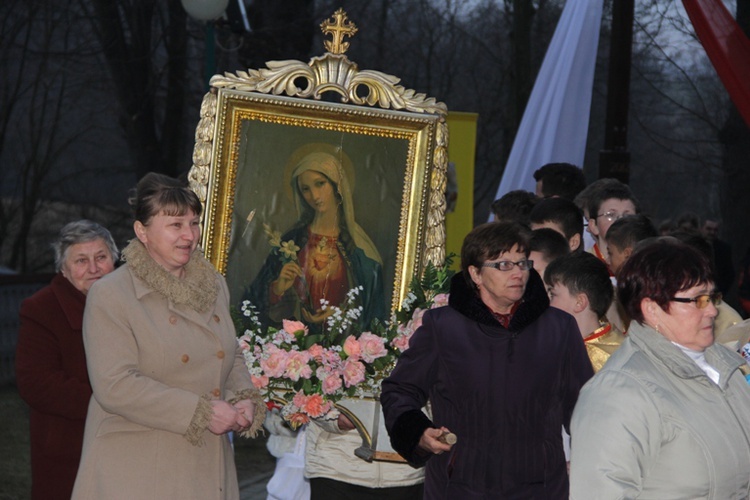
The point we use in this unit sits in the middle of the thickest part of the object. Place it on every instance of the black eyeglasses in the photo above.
(701, 301)
(508, 265)
(612, 216)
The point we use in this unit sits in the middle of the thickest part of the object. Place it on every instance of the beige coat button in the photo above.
(185, 358)
(220, 354)
(217, 393)
(216, 318)
(173, 319)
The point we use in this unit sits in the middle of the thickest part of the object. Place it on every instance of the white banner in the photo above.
(555, 122)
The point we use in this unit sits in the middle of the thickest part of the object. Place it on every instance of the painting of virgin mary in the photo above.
(324, 255)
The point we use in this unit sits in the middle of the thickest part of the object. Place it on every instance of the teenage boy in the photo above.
(606, 206)
(623, 235)
(579, 285)
(559, 179)
(545, 246)
(561, 215)
(514, 206)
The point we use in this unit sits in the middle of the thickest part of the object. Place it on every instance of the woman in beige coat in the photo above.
(168, 379)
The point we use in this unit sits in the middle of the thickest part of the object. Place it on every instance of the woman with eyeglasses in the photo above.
(669, 414)
(501, 370)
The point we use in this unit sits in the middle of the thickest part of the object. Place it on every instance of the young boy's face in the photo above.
(561, 298)
(617, 257)
(609, 212)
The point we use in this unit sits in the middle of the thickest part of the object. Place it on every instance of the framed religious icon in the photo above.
(307, 199)
(256, 157)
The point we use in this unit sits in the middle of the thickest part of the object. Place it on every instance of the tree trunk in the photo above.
(735, 140)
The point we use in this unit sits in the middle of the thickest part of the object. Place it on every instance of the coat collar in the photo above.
(198, 289)
(465, 300)
(71, 300)
(654, 343)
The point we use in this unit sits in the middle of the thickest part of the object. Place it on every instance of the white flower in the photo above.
(408, 301)
(289, 249)
(274, 237)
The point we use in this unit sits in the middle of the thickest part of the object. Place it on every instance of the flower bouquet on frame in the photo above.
(308, 373)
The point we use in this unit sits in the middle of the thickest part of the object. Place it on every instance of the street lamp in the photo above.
(207, 11)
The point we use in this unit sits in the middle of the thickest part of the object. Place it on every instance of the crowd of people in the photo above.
(647, 381)
(585, 352)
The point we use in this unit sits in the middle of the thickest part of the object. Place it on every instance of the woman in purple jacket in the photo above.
(501, 370)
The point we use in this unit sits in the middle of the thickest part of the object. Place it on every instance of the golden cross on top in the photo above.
(339, 28)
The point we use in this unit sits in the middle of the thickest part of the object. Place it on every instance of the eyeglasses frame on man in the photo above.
(612, 215)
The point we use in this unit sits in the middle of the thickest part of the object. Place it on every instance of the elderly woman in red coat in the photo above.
(50, 362)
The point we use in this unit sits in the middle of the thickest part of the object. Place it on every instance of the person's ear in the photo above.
(582, 302)
(140, 231)
(475, 276)
(651, 311)
(574, 242)
(593, 229)
(627, 253)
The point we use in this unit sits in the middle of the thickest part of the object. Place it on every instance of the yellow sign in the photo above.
(462, 138)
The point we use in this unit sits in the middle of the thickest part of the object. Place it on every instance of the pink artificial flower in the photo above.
(416, 320)
(401, 342)
(292, 327)
(316, 352)
(372, 347)
(332, 359)
(297, 419)
(316, 406)
(299, 400)
(352, 347)
(244, 344)
(331, 383)
(403, 329)
(275, 364)
(297, 365)
(259, 382)
(354, 372)
(440, 300)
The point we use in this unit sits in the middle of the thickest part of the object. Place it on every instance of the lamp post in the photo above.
(207, 11)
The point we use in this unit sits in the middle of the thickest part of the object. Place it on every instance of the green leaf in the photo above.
(310, 340)
(307, 386)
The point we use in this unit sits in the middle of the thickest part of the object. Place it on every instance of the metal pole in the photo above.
(614, 159)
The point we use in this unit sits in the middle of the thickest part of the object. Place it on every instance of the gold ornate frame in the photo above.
(256, 97)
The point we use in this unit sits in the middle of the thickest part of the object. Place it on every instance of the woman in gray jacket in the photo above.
(669, 414)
